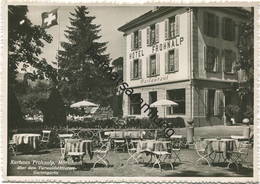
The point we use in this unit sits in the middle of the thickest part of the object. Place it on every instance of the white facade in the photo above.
(195, 78)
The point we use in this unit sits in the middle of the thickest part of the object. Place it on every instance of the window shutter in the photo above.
(166, 61)
(206, 101)
(176, 59)
(140, 39)
(217, 26)
(219, 61)
(205, 23)
(233, 31)
(132, 41)
(131, 69)
(158, 64)
(216, 102)
(233, 61)
(148, 67)
(224, 54)
(156, 33)
(166, 23)
(223, 28)
(177, 25)
(206, 58)
(140, 69)
(216, 62)
(221, 103)
(148, 31)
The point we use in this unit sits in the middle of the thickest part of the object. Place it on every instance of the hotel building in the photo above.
(186, 55)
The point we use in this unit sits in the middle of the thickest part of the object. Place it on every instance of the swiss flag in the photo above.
(50, 18)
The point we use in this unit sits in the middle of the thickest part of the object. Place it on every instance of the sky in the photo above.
(109, 17)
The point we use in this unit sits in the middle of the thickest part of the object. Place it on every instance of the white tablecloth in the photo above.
(30, 139)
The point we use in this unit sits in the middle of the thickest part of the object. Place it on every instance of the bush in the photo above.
(15, 116)
(249, 113)
(231, 111)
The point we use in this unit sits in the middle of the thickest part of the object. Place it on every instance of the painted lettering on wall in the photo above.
(136, 54)
(154, 79)
(167, 44)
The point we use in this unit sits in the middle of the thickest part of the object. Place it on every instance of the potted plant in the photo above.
(231, 112)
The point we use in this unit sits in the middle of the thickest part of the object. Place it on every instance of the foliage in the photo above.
(15, 117)
(231, 110)
(32, 98)
(25, 43)
(79, 58)
(246, 53)
(54, 109)
(249, 113)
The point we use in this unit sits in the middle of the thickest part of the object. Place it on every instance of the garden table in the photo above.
(29, 139)
(160, 150)
(150, 146)
(78, 146)
(220, 147)
(133, 134)
(62, 138)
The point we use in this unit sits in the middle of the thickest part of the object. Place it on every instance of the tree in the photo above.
(15, 116)
(245, 45)
(245, 64)
(32, 98)
(80, 75)
(54, 109)
(25, 43)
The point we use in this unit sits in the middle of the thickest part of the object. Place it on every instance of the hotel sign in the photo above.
(169, 44)
(154, 79)
(176, 42)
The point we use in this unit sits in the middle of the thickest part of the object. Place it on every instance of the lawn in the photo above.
(188, 167)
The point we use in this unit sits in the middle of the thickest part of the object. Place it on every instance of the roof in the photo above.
(160, 11)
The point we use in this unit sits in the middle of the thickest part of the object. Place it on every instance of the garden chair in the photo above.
(72, 151)
(119, 141)
(201, 149)
(102, 153)
(102, 141)
(176, 150)
(12, 147)
(165, 154)
(239, 156)
(45, 139)
(132, 151)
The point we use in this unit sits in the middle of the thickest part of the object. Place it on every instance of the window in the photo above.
(228, 29)
(152, 99)
(211, 24)
(212, 59)
(136, 69)
(211, 97)
(172, 61)
(136, 40)
(178, 96)
(172, 27)
(153, 34)
(229, 59)
(153, 65)
(215, 103)
(135, 105)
